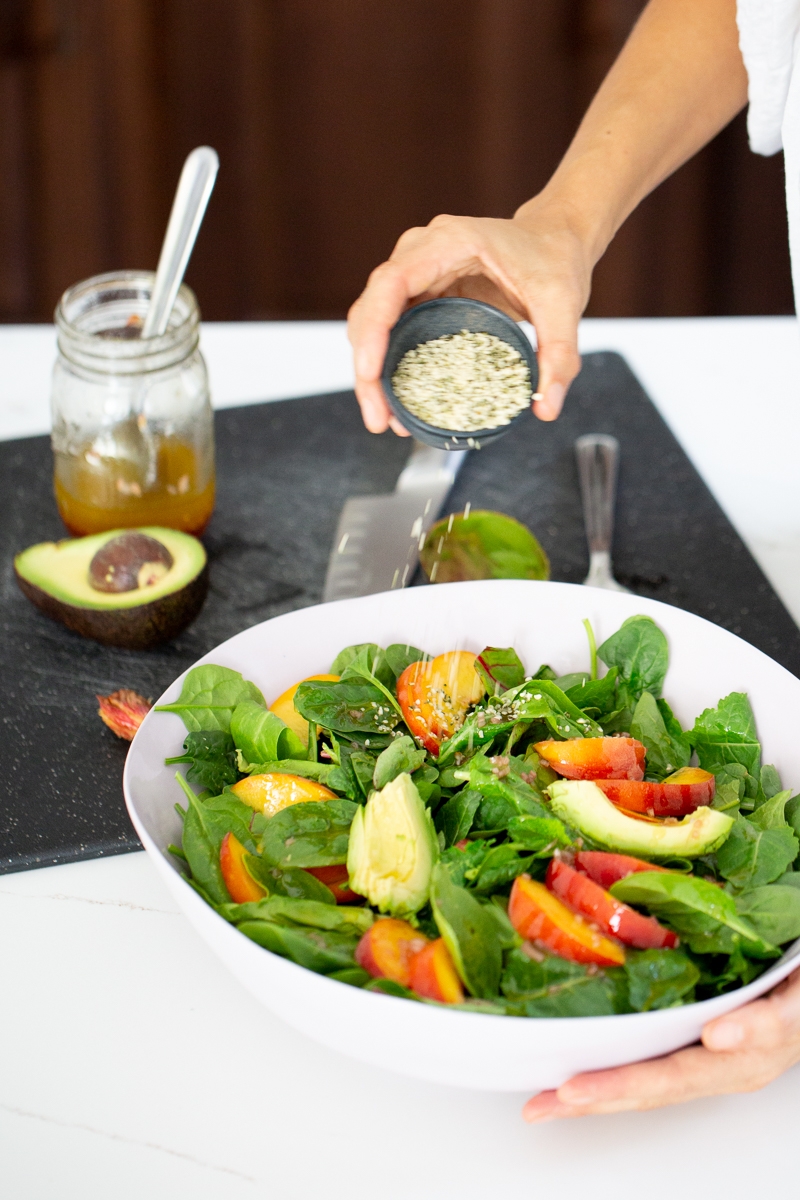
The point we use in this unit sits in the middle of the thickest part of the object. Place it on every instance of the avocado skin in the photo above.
(138, 628)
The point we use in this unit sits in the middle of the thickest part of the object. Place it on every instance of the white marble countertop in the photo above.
(133, 1065)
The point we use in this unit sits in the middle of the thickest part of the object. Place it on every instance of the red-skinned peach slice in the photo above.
(538, 915)
(434, 696)
(387, 948)
(335, 878)
(613, 917)
(433, 975)
(238, 881)
(595, 758)
(605, 867)
(677, 796)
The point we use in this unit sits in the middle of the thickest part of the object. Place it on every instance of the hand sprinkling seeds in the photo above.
(465, 381)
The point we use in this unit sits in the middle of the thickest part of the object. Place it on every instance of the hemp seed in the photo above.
(463, 381)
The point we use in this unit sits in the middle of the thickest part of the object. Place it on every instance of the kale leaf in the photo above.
(751, 857)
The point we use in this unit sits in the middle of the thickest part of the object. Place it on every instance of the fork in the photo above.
(598, 462)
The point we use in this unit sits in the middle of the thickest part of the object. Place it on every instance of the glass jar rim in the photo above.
(88, 310)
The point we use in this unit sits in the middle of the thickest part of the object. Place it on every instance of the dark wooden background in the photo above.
(338, 124)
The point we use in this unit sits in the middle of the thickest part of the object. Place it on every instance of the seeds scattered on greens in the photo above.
(464, 381)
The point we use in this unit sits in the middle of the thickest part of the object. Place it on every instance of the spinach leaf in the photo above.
(357, 768)
(288, 881)
(556, 987)
(454, 819)
(535, 700)
(211, 756)
(727, 734)
(370, 665)
(545, 672)
(565, 718)
(665, 754)
(507, 934)
(751, 857)
(720, 975)
(205, 824)
(465, 863)
(365, 657)
(388, 987)
(354, 976)
(208, 697)
(659, 978)
(790, 879)
(701, 912)
(309, 835)
(587, 693)
(542, 835)
(345, 707)
(319, 950)
(508, 790)
(499, 669)
(639, 650)
(774, 911)
(402, 755)
(399, 656)
(500, 867)
(469, 932)
(262, 736)
(302, 912)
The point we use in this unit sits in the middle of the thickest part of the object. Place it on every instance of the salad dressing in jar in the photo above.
(133, 434)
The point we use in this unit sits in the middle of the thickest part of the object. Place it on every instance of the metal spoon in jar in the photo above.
(188, 209)
(598, 460)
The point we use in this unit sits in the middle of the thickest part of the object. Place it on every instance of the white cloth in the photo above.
(768, 36)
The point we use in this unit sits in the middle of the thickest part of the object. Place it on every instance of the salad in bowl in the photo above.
(471, 830)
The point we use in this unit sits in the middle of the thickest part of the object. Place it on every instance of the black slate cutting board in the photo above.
(284, 472)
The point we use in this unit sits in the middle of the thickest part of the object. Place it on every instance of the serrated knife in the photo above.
(378, 538)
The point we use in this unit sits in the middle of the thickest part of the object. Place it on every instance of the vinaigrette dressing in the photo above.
(133, 434)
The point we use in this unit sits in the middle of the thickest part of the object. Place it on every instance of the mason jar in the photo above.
(133, 431)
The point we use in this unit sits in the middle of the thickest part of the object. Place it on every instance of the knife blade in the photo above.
(378, 538)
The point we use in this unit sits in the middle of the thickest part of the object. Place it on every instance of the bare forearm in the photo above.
(679, 79)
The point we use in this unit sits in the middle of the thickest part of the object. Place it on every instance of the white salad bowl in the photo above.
(543, 622)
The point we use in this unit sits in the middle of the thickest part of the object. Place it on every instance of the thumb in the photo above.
(766, 1024)
(556, 324)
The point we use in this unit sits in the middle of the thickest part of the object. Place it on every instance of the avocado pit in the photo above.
(130, 561)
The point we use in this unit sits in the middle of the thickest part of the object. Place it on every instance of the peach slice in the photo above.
(238, 880)
(387, 948)
(273, 791)
(434, 696)
(433, 975)
(284, 707)
(595, 758)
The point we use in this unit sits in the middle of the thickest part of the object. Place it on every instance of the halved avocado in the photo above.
(164, 574)
(581, 803)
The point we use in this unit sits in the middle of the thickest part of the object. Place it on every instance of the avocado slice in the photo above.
(582, 804)
(393, 849)
(164, 574)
